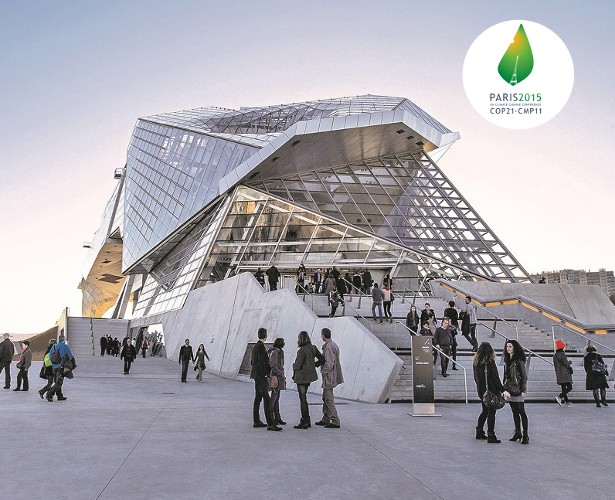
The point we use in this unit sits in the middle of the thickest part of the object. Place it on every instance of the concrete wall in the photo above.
(225, 317)
(586, 304)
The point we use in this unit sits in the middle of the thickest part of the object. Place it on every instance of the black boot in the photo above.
(480, 433)
(526, 439)
(278, 420)
(492, 438)
(516, 436)
(301, 425)
(604, 403)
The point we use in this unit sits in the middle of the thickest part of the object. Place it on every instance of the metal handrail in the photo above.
(497, 318)
(580, 335)
(465, 372)
(524, 348)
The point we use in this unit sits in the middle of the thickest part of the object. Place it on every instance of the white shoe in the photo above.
(559, 400)
(568, 403)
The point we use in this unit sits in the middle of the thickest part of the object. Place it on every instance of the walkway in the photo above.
(147, 436)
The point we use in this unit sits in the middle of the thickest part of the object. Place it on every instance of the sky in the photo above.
(77, 74)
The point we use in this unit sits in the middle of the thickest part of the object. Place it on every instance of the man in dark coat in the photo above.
(129, 354)
(103, 345)
(7, 351)
(443, 338)
(185, 356)
(273, 275)
(260, 372)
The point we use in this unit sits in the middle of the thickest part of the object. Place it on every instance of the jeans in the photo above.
(387, 309)
(58, 381)
(446, 349)
(185, 363)
(566, 388)
(379, 305)
(275, 404)
(519, 416)
(48, 386)
(329, 412)
(303, 403)
(127, 363)
(487, 414)
(261, 393)
(143, 351)
(23, 375)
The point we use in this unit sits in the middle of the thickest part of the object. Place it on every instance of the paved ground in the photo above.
(146, 435)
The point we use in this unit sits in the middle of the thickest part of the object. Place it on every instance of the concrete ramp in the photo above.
(225, 317)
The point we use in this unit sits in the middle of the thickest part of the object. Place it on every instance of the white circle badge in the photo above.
(518, 74)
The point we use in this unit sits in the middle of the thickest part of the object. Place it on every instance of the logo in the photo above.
(518, 74)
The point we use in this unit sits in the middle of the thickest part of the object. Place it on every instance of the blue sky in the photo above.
(78, 74)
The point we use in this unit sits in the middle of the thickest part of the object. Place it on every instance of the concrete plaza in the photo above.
(146, 435)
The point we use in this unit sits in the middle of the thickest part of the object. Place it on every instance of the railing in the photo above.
(524, 348)
(497, 318)
(455, 363)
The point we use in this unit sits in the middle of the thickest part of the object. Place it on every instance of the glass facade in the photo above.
(211, 192)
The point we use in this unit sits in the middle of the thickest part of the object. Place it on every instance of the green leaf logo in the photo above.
(518, 60)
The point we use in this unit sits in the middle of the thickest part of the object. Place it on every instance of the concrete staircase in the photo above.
(541, 381)
(84, 333)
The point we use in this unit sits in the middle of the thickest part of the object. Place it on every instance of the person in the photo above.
(388, 281)
(24, 363)
(468, 323)
(335, 273)
(301, 274)
(377, 302)
(58, 368)
(103, 345)
(340, 286)
(486, 377)
(260, 373)
(412, 319)
(47, 370)
(429, 315)
(144, 346)
(276, 362)
(515, 384)
(331, 371)
(542, 280)
(443, 338)
(116, 347)
(260, 277)
(273, 275)
(304, 373)
(317, 278)
(199, 364)
(125, 342)
(185, 356)
(7, 351)
(129, 354)
(367, 282)
(110, 345)
(451, 313)
(387, 300)
(334, 300)
(596, 373)
(356, 282)
(330, 285)
(563, 372)
(425, 330)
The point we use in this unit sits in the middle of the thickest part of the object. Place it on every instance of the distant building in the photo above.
(603, 278)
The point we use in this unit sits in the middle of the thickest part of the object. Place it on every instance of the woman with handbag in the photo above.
(304, 373)
(596, 373)
(488, 386)
(199, 362)
(277, 379)
(563, 373)
(515, 383)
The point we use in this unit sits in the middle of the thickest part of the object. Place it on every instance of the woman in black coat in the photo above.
(596, 372)
(515, 383)
(486, 376)
(304, 373)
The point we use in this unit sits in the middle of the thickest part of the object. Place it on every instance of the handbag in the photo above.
(570, 370)
(490, 399)
(273, 382)
(598, 367)
(42, 373)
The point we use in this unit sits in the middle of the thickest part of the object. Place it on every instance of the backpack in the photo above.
(47, 362)
(54, 355)
(598, 367)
